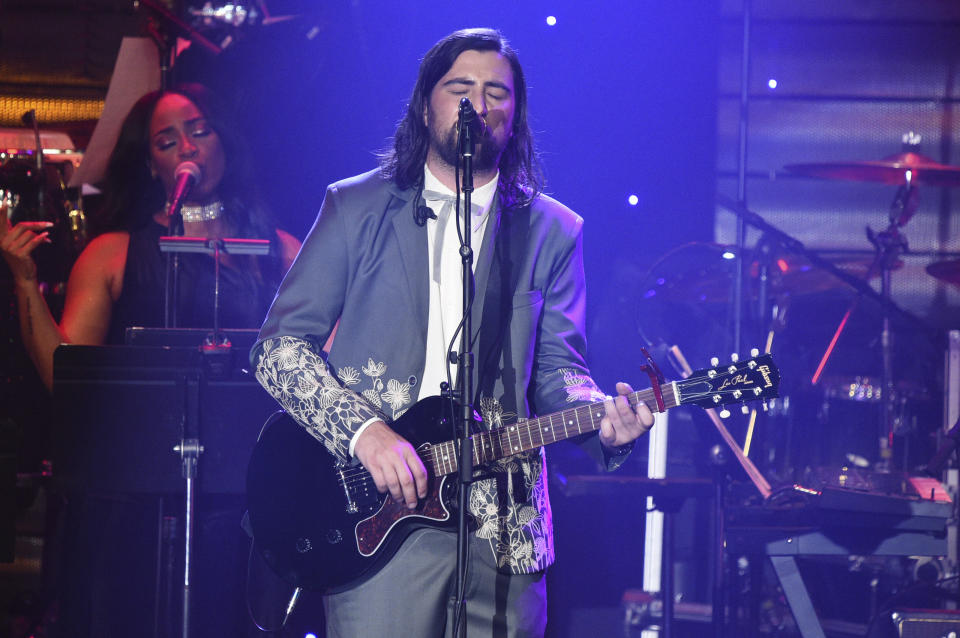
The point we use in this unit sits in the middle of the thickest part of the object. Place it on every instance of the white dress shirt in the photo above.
(445, 275)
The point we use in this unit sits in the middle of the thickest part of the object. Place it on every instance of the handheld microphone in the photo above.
(188, 174)
(471, 119)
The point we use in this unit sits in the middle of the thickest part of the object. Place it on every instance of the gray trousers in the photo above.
(412, 596)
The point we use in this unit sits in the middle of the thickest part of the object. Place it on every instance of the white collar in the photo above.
(481, 199)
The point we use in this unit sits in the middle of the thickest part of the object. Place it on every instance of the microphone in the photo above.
(187, 175)
(471, 119)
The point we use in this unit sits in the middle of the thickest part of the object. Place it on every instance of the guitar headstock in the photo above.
(753, 379)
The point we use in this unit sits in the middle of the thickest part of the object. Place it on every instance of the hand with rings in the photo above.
(17, 244)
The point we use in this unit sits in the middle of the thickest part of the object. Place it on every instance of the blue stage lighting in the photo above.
(633, 200)
(551, 20)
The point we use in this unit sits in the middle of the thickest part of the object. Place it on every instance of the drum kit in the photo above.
(696, 282)
(33, 190)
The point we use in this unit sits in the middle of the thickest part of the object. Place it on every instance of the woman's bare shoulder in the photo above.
(289, 247)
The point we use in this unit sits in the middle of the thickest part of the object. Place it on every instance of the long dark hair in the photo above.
(132, 196)
(521, 179)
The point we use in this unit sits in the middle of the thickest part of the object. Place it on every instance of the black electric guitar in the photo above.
(323, 525)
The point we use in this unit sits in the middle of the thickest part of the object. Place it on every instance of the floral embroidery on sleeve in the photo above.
(580, 387)
(300, 380)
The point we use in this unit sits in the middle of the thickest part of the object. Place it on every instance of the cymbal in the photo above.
(948, 271)
(890, 170)
(795, 275)
(789, 275)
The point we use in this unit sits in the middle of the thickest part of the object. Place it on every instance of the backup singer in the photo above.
(107, 571)
(382, 260)
(118, 279)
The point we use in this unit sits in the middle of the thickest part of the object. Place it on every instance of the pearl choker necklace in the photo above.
(205, 213)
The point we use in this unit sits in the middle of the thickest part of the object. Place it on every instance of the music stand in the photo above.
(120, 410)
(175, 245)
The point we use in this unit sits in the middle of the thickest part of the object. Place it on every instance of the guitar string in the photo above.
(514, 434)
(514, 439)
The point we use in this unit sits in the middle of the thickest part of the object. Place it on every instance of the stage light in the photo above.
(310, 635)
(551, 21)
(633, 200)
(729, 254)
(772, 83)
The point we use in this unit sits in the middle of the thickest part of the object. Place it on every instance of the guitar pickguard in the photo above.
(371, 532)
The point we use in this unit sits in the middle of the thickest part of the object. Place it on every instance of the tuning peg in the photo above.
(744, 409)
(731, 368)
(714, 361)
(765, 407)
(724, 413)
(754, 352)
(734, 357)
(716, 398)
(757, 391)
(711, 373)
(737, 394)
(751, 364)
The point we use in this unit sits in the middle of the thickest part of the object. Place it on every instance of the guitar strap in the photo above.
(511, 244)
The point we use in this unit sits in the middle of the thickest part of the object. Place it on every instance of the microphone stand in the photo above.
(466, 144)
(171, 286)
(190, 447)
(30, 118)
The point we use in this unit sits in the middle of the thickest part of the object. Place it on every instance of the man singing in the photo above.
(382, 267)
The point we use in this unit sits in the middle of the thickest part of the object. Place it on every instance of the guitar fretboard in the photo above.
(533, 433)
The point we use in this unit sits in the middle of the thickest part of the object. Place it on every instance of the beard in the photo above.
(486, 153)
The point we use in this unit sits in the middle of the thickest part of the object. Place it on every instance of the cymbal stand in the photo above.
(890, 244)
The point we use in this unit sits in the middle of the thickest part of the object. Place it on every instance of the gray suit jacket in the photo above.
(364, 263)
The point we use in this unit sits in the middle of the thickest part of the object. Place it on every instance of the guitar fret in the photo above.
(528, 434)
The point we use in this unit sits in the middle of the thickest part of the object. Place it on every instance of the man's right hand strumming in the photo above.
(393, 463)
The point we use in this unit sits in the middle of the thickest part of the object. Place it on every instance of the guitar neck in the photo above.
(533, 433)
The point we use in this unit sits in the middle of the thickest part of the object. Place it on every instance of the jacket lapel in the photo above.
(506, 248)
(485, 257)
(412, 242)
